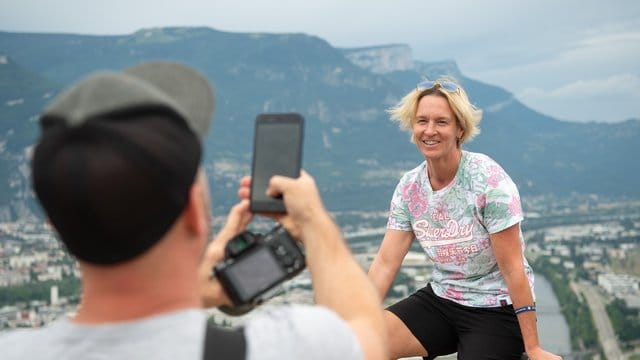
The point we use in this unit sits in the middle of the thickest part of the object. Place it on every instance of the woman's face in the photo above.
(435, 129)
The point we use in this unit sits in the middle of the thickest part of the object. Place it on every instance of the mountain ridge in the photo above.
(351, 147)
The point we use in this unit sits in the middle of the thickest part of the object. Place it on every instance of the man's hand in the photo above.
(301, 199)
(339, 283)
(211, 290)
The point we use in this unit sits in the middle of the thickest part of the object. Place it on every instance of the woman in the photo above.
(465, 212)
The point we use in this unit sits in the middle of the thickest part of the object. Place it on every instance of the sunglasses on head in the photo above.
(447, 86)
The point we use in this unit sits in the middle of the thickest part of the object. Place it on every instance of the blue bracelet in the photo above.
(525, 309)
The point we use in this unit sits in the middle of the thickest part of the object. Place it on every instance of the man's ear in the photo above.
(195, 214)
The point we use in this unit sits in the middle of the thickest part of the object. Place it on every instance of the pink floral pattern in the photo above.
(455, 295)
(415, 198)
(481, 200)
(493, 180)
(515, 208)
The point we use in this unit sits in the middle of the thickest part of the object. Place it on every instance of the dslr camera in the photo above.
(256, 263)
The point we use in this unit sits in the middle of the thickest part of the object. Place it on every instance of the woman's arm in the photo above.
(386, 264)
(507, 249)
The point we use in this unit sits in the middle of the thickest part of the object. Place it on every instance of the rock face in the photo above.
(382, 59)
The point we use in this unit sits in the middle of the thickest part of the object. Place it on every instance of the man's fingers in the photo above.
(244, 193)
(277, 184)
(239, 216)
(245, 181)
(237, 220)
(214, 294)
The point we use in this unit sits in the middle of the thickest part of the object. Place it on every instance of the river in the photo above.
(553, 330)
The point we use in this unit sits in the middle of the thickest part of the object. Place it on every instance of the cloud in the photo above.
(603, 40)
(594, 76)
(615, 86)
(580, 59)
(609, 99)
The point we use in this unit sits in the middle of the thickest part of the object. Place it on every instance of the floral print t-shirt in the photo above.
(453, 225)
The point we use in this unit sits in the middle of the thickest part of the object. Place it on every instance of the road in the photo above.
(606, 335)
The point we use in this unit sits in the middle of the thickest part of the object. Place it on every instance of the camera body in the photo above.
(256, 263)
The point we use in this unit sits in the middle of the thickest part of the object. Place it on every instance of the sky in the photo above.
(575, 60)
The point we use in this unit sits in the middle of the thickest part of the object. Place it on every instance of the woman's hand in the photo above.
(539, 354)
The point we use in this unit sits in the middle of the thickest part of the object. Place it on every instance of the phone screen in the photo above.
(277, 150)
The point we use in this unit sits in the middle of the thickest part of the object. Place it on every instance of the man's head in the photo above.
(117, 156)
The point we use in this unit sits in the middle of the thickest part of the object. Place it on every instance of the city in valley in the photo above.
(590, 243)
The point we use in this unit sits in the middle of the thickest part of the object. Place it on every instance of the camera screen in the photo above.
(255, 273)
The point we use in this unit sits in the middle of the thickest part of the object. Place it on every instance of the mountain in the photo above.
(354, 151)
(22, 94)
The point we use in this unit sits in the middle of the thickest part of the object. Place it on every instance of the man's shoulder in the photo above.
(296, 313)
(173, 335)
(25, 343)
(300, 331)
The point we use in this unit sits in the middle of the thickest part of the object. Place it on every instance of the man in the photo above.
(117, 171)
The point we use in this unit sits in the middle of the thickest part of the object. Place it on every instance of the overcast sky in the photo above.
(575, 60)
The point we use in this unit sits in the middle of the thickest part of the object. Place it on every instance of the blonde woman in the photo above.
(465, 212)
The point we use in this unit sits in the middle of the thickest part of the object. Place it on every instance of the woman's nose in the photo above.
(429, 129)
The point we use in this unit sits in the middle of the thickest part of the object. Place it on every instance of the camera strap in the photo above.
(224, 343)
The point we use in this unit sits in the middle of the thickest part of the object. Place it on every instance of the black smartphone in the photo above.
(277, 150)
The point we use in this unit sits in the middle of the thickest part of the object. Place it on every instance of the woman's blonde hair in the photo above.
(467, 115)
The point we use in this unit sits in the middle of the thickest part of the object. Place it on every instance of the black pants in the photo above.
(444, 327)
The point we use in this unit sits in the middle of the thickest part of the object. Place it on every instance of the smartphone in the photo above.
(277, 150)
